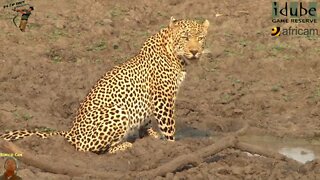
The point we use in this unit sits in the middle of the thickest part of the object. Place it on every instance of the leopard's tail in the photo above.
(20, 134)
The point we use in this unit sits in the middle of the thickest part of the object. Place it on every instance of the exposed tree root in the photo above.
(194, 158)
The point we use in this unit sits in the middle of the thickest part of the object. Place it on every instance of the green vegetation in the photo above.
(55, 55)
(315, 95)
(287, 97)
(199, 19)
(260, 47)
(159, 13)
(118, 11)
(225, 98)
(57, 33)
(34, 25)
(97, 46)
(276, 88)
(243, 42)
(22, 116)
(279, 47)
(6, 15)
(231, 52)
(44, 129)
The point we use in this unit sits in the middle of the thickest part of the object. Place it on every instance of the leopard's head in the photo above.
(188, 38)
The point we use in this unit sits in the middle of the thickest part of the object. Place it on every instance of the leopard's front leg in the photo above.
(164, 114)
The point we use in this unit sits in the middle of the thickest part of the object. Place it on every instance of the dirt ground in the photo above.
(247, 77)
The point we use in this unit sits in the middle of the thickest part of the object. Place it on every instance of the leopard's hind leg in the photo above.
(106, 131)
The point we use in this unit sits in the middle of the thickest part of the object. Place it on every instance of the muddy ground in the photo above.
(270, 83)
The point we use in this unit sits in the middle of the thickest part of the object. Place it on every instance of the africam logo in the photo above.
(23, 8)
(308, 32)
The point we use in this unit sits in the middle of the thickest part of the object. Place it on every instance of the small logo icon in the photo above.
(275, 31)
(10, 166)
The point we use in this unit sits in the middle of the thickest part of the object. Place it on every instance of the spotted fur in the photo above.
(144, 86)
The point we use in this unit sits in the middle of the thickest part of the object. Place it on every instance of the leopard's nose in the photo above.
(194, 51)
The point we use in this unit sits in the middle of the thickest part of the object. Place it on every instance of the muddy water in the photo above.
(300, 149)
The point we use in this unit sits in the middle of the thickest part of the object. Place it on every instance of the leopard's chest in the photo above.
(181, 77)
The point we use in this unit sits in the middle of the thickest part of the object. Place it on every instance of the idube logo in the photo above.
(294, 12)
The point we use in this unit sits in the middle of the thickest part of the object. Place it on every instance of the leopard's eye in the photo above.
(200, 38)
(185, 37)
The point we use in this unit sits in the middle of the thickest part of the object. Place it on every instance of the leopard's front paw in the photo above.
(153, 133)
(170, 138)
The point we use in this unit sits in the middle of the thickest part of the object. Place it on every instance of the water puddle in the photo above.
(191, 132)
(299, 154)
(299, 149)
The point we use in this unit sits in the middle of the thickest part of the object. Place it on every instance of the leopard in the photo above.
(124, 98)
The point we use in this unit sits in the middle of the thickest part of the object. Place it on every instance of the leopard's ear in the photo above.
(172, 21)
(206, 24)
